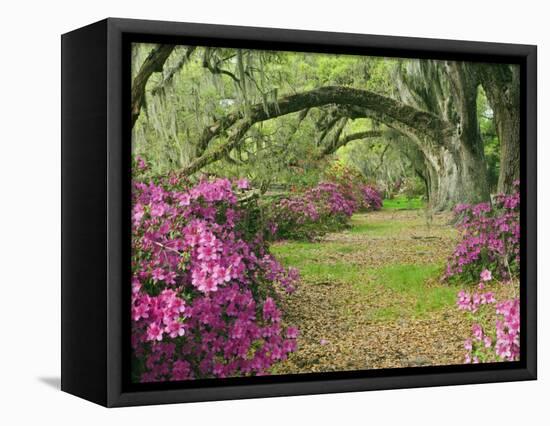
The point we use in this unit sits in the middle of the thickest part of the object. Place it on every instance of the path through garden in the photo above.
(371, 296)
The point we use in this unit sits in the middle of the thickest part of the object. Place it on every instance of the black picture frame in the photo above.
(96, 200)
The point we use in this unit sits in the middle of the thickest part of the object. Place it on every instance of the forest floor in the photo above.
(371, 296)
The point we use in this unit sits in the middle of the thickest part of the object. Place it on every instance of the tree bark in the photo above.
(457, 171)
(501, 85)
(472, 164)
(153, 63)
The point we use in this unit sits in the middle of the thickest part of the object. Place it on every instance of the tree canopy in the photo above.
(280, 117)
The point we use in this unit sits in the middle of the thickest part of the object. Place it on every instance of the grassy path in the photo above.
(370, 296)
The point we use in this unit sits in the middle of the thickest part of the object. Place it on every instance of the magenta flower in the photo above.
(154, 332)
(142, 165)
(485, 275)
(158, 209)
(157, 274)
(243, 184)
(292, 332)
(477, 332)
(137, 213)
(206, 273)
(184, 199)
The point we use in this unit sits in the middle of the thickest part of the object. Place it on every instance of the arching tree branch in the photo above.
(153, 63)
(174, 70)
(236, 137)
(333, 147)
(385, 110)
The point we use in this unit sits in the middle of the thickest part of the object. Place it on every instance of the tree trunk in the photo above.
(507, 125)
(457, 171)
(453, 177)
(501, 84)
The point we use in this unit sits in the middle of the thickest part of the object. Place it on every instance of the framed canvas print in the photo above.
(253, 212)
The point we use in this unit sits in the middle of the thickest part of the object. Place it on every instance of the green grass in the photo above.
(404, 285)
(396, 290)
(408, 282)
(300, 253)
(361, 225)
(401, 202)
(312, 261)
(337, 272)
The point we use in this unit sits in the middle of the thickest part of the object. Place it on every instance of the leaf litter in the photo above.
(365, 324)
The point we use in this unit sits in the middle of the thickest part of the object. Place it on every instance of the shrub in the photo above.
(204, 298)
(323, 208)
(370, 198)
(354, 185)
(489, 238)
(495, 325)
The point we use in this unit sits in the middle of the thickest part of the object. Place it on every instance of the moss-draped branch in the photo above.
(344, 140)
(386, 110)
(153, 63)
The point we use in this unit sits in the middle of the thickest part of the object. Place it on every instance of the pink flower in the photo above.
(206, 253)
(243, 184)
(175, 329)
(140, 311)
(158, 209)
(209, 284)
(477, 331)
(292, 332)
(204, 316)
(137, 213)
(270, 310)
(323, 342)
(485, 275)
(154, 332)
(158, 274)
(141, 163)
(185, 199)
(170, 277)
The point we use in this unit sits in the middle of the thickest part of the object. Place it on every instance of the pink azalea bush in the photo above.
(490, 238)
(354, 184)
(325, 207)
(489, 248)
(370, 198)
(495, 325)
(204, 298)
